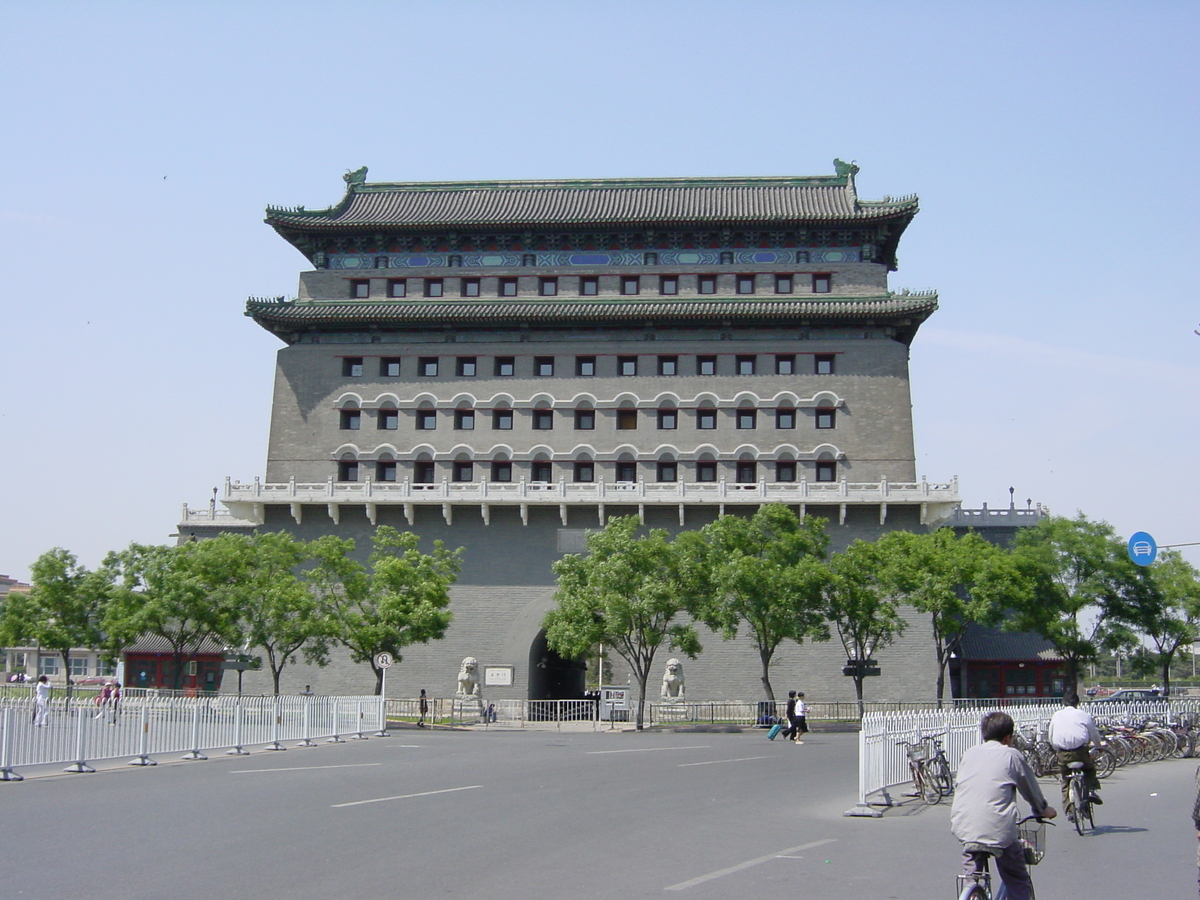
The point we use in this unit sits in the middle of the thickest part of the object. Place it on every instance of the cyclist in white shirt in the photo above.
(1072, 733)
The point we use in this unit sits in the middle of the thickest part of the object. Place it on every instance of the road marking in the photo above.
(713, 762)
(469, 787)
(746, 865)
(303, 768)
(643, 750)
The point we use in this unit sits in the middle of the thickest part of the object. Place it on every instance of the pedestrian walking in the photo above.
(423, 704)
(102, 700)
(41, 701)
(114, 702)
(790, 713)
(801, 717)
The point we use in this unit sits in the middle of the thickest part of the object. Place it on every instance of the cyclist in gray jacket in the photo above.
(985, 814)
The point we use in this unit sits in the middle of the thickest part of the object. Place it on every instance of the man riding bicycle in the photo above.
(984, 814)
(1072, 732)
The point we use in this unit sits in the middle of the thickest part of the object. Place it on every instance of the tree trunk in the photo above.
(858, 690)
(66, 658)
(378, 679)
(641, 709)
(765, 656)
(1166, 673)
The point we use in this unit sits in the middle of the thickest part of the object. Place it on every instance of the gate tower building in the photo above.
(507, 365)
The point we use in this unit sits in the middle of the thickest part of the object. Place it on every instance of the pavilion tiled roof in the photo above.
(294, 315)
(667, 202)
(980, 643)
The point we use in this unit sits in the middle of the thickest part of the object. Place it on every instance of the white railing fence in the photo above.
(883, 765)
(143, 727)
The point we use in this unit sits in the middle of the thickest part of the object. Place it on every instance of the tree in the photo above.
(625, 593)
(401, 597)
(168, 592)
(1070, 578)
(62, 610)
(937, 574)
(767, 573)
(278, 612)
(1166, 611)
(864, 615)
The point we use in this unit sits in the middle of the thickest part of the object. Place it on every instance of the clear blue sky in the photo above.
(1053, 146)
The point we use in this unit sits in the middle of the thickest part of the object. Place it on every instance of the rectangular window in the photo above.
(502, 420)
(707, 284)
(706, 471)
(745, 284)
(508, 287)
(706, 419)
(464, 420)
(585, 419)
(626, 365)
(466, 366)
(464, 471)
(826, 470)
(78, 666)
(423, 472)
(785, 470)
(348, 470)
(585, 366)
(668, 472)
(589, 286)
(543, 419)
(397, 287)
(351, 419)
(360, 289)
(785, 364)
(823, 364)
(543, 365)
(745, 365)
(746, 419)
(542, 470)
(433, 287)
(426, 419)
(668, 419)
(668, 285)
(629, 284)
(585, 471)
(389, 419)
(785, 418)
(627, 420)
(826, 417)
(505, 365)
(427, 366)
(706, 365)
(548, 287)
(385, 470)
(502, 470)
(389, 366)
(352, 366)
(469, 288)
(626, 471)
(668, 365)
(747, 472)
(48, 665)
(821, 283)
(783, 284)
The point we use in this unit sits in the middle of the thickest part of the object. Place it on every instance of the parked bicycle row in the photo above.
(1125, 743)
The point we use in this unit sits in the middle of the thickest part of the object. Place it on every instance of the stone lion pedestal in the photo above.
(467, 705)
(671, 705)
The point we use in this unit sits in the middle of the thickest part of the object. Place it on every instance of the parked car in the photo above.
(1127, 694)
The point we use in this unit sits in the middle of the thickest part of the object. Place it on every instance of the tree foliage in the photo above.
(626, 593)
(400, 597)
(766, 574)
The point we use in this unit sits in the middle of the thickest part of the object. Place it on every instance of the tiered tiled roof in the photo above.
(906, 311)
(667, 202)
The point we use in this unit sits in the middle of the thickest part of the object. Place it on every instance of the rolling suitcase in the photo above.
(774, 732)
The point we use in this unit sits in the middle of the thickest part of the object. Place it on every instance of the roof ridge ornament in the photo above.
(358, 176)
(845, 168)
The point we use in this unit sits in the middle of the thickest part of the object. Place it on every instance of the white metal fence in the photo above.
(143, 727)
(883, 765)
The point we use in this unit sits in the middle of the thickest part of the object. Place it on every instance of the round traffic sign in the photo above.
(383, 660)
(1142, 548)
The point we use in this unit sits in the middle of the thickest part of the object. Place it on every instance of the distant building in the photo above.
(506, 366)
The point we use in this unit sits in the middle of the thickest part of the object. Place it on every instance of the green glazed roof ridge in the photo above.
(483, 302)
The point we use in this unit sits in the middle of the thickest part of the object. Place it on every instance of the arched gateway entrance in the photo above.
(550, 676)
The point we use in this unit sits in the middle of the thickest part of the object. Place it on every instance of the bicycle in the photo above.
(929, 768)
(1079, 808)
(978, 884)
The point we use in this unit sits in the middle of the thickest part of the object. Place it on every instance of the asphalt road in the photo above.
(505, 815)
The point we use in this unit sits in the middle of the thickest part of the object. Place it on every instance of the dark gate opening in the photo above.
(550, 676)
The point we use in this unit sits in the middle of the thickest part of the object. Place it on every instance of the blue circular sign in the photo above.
(1142, 548)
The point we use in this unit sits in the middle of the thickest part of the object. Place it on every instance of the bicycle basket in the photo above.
(918, 752)
(1032, 835)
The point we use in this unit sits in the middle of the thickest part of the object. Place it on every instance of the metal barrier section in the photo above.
(883, 765)
(144, 727)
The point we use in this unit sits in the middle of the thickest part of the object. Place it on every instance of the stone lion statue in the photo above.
(468, 678)
(672, 683)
